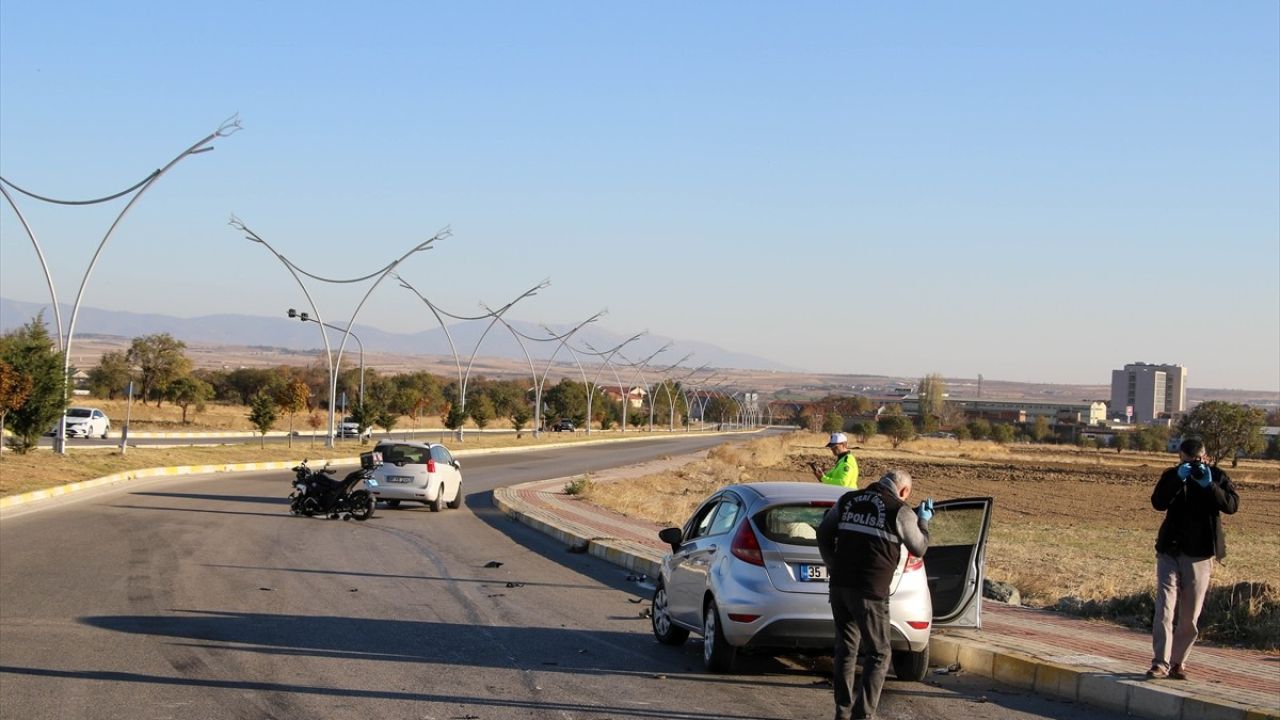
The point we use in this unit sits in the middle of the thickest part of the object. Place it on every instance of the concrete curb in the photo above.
(1118, 693)
(1128, 694)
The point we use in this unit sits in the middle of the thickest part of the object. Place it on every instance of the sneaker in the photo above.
(1178, 672)
(1157, 672)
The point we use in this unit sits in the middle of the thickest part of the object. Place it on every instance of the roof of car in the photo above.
(790, 491)
(407, 442)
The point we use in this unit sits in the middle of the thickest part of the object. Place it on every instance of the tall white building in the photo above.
(1152, 391)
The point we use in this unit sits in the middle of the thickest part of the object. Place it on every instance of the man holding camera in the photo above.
(1192, 495)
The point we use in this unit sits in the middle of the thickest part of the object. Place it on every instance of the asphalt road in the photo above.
(202, 597)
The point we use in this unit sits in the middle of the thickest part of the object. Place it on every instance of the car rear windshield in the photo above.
(792, 524)
(78, 412)
(396, 454)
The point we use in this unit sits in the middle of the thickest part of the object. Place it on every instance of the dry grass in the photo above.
(1066, 523)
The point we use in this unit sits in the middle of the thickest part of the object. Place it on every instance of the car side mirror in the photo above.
(671, 536)
(457, 464)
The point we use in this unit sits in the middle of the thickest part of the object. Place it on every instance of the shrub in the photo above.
(578, 486)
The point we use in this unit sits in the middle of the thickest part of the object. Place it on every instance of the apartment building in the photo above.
(1152, 391)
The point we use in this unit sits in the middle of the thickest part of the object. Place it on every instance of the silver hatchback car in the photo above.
(417, 472)
(745, 573)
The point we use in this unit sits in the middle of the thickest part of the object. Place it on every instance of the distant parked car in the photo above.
(745, 573)
(85, 422)
(417, 472)
(564, 426)
(349, 428)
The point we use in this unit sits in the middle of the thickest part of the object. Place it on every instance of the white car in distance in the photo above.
(86, 422)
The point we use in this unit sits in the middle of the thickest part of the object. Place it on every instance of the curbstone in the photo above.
(1058, 681)
(1156, 703)
(1101, 690)
(1014, 670)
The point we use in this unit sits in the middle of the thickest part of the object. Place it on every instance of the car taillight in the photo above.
(913, 563)
(431, 465)
(746, 547)
(918, 624)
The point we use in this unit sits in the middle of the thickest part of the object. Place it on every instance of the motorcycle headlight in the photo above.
(300, 487)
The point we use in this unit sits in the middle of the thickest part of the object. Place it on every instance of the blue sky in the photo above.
(1030, 191)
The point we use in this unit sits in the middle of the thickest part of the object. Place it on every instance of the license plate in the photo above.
(812, 573)
(399, 479)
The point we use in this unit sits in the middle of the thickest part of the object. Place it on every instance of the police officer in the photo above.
(860, 540)
(845, 471)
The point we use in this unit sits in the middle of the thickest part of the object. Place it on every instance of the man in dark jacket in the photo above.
(1192, 496)
(860, 540)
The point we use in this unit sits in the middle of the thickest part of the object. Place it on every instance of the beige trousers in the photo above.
(1181, 584)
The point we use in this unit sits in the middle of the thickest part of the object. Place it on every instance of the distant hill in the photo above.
(279, 332)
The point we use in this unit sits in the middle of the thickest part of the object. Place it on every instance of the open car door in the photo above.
(955, 561)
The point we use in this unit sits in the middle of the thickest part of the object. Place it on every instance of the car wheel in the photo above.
(717, 654)
(392, 503)
(663, 629)
(105, 430)
(456, 502)
(436, 504)
(912, 666)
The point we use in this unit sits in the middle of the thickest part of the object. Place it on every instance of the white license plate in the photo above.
(399, 478)
(812, 573)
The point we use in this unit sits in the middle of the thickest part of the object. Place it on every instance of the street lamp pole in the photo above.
(65, 338)
(297, 273)
(306, 317)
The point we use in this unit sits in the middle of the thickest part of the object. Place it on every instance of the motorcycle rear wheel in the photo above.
(361, 505)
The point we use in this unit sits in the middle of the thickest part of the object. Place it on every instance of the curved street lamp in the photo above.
(297, 273)
(306, 317)
(65, 338)
(494, 316)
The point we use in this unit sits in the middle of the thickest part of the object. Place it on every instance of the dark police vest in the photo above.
(867, 543)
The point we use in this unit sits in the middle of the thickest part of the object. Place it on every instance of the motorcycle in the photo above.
(316, 493)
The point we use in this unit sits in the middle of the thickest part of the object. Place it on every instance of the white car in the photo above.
(417, 472)
(86, 422)
(745, 573)
(349, 428)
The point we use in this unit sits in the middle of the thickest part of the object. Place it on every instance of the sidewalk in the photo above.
(1087, 661)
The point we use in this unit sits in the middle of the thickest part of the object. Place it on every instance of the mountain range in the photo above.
(279, 332)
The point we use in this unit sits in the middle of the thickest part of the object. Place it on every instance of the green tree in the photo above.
(980, 429)
(15, 388)
(30, 353)
(962, 433)
(364, 414)
(186, 391)
(293, 398)
(933, 396)
(519, 415)
(160, 360)
(1152, 438)
(861, 405)
(110, 376)
(832, 423)
(897, 428)
(481, 410)
(1226, 429)
(1120, 441)
(865, 430)
(1002, 433)
(1040, 430)
(386, 419)
(454, 416)
(262, 414)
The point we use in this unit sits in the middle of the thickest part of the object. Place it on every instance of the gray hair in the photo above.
(897, 479)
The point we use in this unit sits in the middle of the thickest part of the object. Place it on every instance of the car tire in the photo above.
(666, 631)
(911, 666)
(436, 504)
(392, 503)
(456, 502)
(105, 431)
(717, 654)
